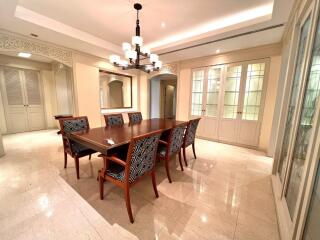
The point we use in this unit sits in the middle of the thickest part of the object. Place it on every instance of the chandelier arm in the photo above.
(138, 55)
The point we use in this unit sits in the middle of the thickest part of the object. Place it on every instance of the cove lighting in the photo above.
(235, 20)
(24, 54)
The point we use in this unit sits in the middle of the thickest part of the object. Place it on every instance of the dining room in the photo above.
(159, 119)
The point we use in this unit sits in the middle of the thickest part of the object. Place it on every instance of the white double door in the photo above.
(22, 99)
(229, 99)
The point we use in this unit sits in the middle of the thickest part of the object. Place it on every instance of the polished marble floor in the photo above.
(225, 194)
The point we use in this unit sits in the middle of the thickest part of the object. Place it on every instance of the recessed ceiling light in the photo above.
(218, 51)
(24, 54)
(163, 24)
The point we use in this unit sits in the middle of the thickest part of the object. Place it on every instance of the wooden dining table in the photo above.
(102, 139)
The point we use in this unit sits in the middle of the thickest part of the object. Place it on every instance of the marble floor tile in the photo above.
(225, 193)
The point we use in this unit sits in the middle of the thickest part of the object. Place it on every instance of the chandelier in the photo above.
(133, 52)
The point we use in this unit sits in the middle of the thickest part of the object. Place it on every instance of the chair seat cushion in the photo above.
(162, 150)
(115, 171)
(119, 176)
(81, 150)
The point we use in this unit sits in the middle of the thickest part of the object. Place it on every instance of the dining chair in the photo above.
(135, 117)
(113, 119)
(172, 146)
(189, 138)
(74, 149)
(139, 162)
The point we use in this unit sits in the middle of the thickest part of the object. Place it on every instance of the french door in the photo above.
(229, 98)
(22, 98)
(205, 100)
(298, 143)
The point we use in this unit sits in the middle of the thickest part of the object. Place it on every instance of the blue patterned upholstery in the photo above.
(135, 117)
(113, 120)
(74, 125)
(142, 159)
(116, 175)
(191, 131)
(176, 139)
(143, 156)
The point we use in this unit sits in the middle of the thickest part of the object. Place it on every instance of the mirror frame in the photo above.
(119, 74)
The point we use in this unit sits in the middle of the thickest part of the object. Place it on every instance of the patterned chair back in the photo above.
(176, 138)
(191, 132)
(74, 124)
(113, 119)
(135, 117)
(142, 155)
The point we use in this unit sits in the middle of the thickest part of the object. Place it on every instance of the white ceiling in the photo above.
(99, 27)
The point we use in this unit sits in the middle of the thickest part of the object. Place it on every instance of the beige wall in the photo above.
(1, 146)
(183, 94)
(50, 99)
(266, 126)
(87, 92)
(3, 125)
(86, 88)
(144, 104)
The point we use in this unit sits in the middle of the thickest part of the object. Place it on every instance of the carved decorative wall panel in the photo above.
(19, 44)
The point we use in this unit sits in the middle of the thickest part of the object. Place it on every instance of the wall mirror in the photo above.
(115, 90)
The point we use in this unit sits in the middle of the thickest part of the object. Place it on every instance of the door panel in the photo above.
(14, 100)
(228, 126)
(307, 118)
(248, 133)
(227, 130)
(210, 118)
(197, 98)
(35, 109)
(22, 98)
(295, 88)
(36, 119)
(250, 104)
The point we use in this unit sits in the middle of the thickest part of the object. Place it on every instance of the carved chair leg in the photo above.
(65, 159)
(181, 166)
(167, 170)
(101, 183)
(194, 151)
(128, 204)
(184, 156)
(90, 157)
(76, 160)
(154, 184)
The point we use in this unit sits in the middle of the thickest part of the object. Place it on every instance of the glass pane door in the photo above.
(312, 230)
(293, 98)
(213, 88)
(231, 92)
(306, 124)
(253, 91)
(197, 92)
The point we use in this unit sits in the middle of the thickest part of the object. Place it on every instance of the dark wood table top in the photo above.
(96, 138)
